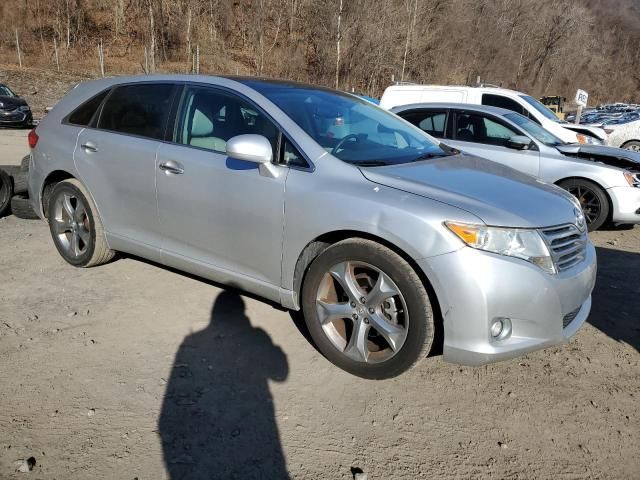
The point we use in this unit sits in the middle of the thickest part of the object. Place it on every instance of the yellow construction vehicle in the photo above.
(555, 104)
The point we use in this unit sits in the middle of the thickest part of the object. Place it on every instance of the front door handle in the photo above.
(171, 167)
(89, 147)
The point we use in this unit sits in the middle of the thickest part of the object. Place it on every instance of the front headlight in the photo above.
(24, 108)
(513, 242)
(587, 139)
(633, 179)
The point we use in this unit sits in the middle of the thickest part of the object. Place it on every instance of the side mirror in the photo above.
(253, 148)
(519, 142)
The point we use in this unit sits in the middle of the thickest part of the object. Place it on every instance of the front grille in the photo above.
(568, 245)
(570, 317)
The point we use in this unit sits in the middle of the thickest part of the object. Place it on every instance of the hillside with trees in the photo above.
(542, 46)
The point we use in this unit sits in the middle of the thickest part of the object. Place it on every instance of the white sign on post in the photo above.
(581, 98)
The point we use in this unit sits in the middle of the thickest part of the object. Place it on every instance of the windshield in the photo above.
(540, 107)
(6, 91)
(351, 129)
(535, 130)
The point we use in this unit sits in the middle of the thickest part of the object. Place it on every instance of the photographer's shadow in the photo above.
(217, 418)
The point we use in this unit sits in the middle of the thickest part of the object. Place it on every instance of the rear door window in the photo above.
(503, 102)
(82, 115)
(141, 109)
(478, 128)
(433, 122)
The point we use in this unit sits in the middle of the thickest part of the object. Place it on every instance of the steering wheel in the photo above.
(351, 136)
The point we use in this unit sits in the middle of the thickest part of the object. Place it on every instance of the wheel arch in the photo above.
(316, 246)
(51, 181)
(627, 142)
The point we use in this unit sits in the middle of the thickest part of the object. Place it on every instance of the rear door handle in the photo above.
(89, 147)
(171, 167)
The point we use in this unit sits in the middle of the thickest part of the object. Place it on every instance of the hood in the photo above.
(592, 130)
(498, 195)
(616, 157)
(11, 102)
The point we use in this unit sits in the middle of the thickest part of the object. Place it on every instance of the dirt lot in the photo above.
(131, 370)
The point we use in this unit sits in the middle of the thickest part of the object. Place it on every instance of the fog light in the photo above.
(496, 328)
(500, 328)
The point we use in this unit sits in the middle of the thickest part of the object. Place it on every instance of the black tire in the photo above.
(95, 250)
(592, 198)
(20, 178)
(633, 145)
(420, 326)
(6, 192)
(21, 183)
(24, 163)
(21, 208)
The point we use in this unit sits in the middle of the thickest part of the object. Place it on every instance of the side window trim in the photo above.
(448, 124)
(174, 111)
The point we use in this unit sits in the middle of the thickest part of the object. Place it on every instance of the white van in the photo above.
(406, 94)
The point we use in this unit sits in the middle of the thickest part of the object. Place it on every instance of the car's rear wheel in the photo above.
(367, 310)
(593, 200)
(633, 145)
(6, 192)
(75, 227)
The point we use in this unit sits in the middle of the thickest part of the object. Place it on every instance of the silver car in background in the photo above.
(605, 180)
(319, 201)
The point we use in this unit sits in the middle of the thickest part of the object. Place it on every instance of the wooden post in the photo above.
(338, 38)
(197, 59)
(55, 51)
(152, 49)
(578, 115)
(101, 57)
(18, 48)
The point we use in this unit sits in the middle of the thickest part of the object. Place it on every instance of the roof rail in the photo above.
(486, 85)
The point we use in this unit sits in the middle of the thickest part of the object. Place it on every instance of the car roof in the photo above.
(459, 106)
(449, 87)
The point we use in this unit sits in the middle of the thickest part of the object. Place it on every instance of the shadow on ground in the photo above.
(217, 418)
(616, 298)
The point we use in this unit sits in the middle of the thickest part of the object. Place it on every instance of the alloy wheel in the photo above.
(362, 312)
(71, 224)
(589, 202)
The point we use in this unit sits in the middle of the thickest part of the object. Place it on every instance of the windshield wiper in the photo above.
(370, 163)
(427, 156)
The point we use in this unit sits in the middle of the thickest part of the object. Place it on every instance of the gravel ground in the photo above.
(131, 370)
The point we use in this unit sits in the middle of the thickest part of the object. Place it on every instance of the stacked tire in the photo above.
(14, 193)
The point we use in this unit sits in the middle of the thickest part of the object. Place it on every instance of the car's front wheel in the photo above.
(592, 198)
(75, 226)
(367, 310)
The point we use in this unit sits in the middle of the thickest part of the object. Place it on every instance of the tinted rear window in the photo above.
(141, 109)
(502, 102)
(84, 113)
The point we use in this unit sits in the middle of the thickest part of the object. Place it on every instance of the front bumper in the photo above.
(15, 117)
(626, 204)
(475, 287)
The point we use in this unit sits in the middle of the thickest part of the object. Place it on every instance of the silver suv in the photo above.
(319, 201)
